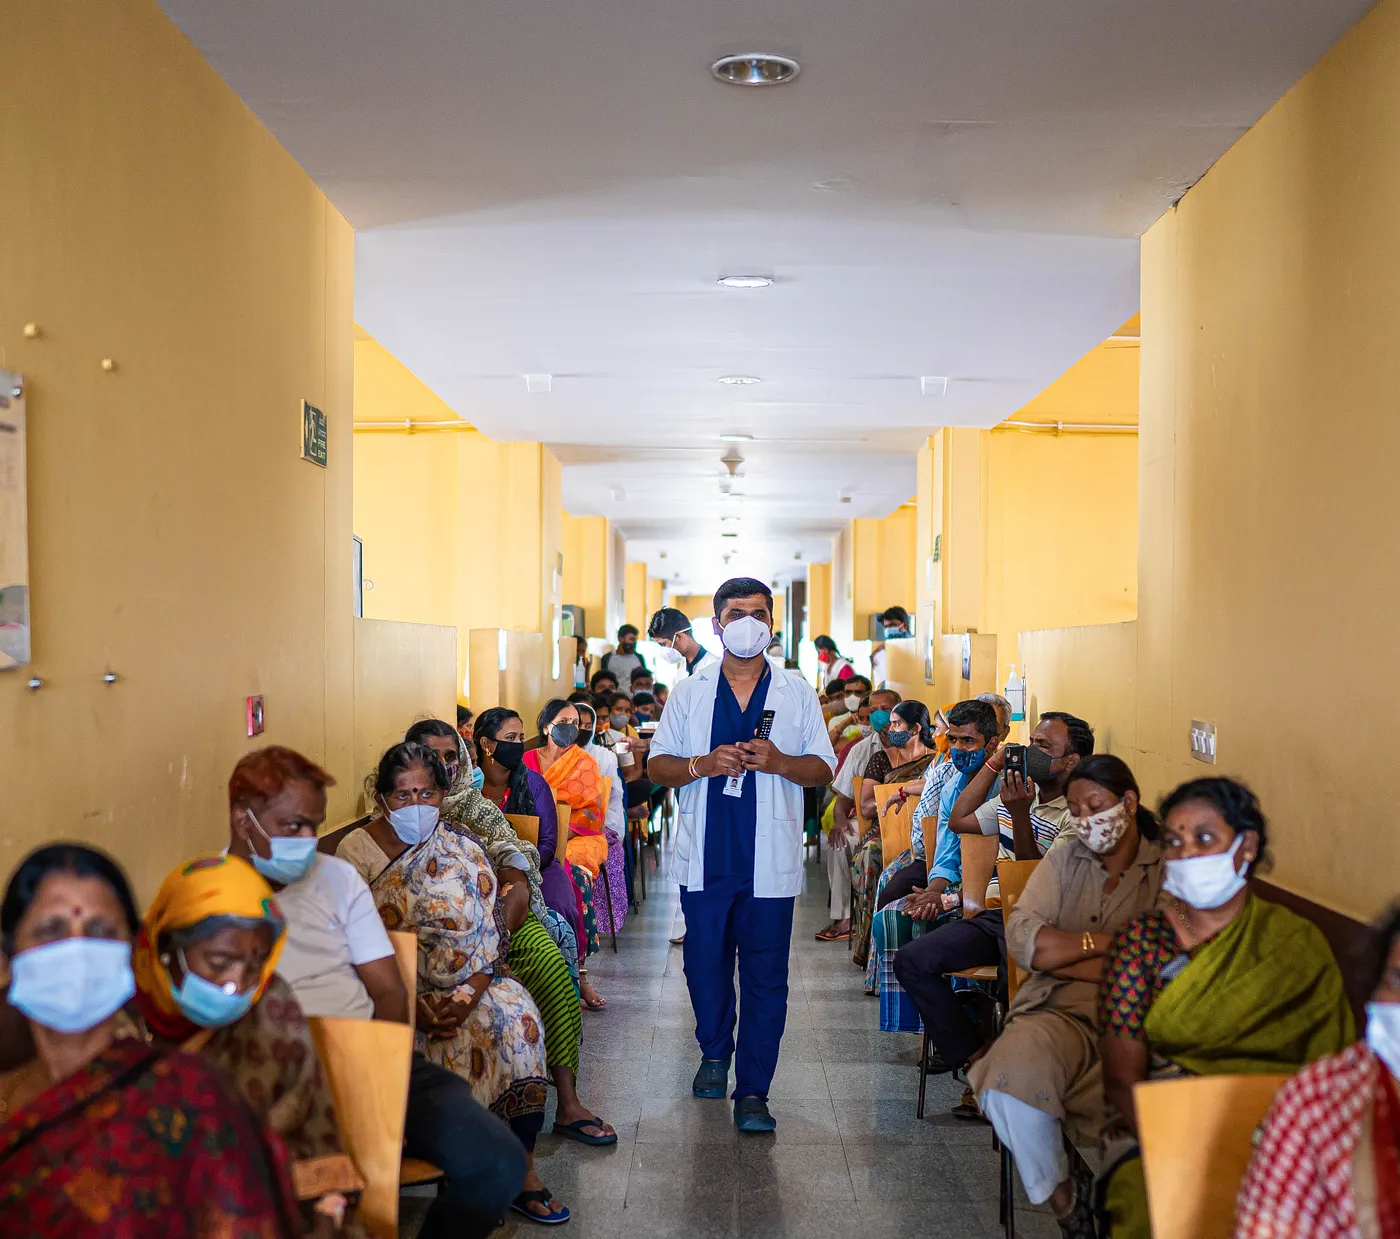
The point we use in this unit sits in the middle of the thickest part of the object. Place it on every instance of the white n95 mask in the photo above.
(414, 823)
(746, 636)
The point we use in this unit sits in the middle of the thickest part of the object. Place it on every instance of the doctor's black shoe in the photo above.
(712, 1080)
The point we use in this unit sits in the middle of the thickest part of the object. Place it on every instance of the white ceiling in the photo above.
(950, 188)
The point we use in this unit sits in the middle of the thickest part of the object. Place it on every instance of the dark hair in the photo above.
(851, 681)
(1233, 801)
(741, 587)
(644, 699)
(1081, 735)
(1372, 952)
(980, 714)
(625, 629)
(640, 673)
(263, 773)
(404, 757)
(897, 615)
(916, 714)
(1114, 775)
(463, 715)
(581, 697)
(551, 711)
(519, 797)
(668, 623)
(75, 858)
(826, 643)
(602, 674)
(616, 697)
(429, 727)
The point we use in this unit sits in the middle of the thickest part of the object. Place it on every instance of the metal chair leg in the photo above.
(607, 899)
(1008, 1193)
(923, 1073)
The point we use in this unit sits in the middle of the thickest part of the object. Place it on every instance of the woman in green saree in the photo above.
(1215, 981)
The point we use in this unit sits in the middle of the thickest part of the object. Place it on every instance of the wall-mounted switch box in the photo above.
(1203, 741)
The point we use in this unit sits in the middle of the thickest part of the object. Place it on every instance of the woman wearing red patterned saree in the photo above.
(105, 1136)
(1327, 1165)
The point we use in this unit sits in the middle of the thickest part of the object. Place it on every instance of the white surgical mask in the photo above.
(1383, 1033)
(1205, 882)
(73, 984)
(669, 654)
(746, 637)
(414, 823)
(852, 702)
(1102, 831)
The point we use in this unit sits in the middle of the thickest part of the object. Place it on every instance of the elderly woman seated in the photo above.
(1044, 1068)
(1215, 981)
(1328, 1159)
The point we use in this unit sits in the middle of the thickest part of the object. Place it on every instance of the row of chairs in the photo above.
(1196, 1134)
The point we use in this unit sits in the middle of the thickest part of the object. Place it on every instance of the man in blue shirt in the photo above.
(739, 840)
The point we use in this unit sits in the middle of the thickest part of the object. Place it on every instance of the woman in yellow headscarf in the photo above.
(204, 963)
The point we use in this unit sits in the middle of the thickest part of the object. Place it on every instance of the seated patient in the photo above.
(1328, 1160)
(204, 965)
(340, 962)
(1044, 1068)
(1215, 981)
(433, 879)
(106, 1135)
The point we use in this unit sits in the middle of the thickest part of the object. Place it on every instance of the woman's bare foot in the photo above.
(591, 998)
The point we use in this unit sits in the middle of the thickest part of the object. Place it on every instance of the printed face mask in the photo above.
(291, 859)
(898, 739)
(746, 637)
(1205, 882)
(1102, 831)
(968, 762)
(74, 984)
(414, 822)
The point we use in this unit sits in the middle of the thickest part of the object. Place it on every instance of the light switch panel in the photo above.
(1203, 741)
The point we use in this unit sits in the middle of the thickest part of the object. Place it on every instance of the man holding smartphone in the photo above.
(740, 739)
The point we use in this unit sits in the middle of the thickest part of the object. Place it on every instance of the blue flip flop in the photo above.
(557, 1218)
(574, 1131)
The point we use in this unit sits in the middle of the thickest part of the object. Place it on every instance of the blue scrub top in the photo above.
(731, 822)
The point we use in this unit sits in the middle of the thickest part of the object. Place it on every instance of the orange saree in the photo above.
(577, 782)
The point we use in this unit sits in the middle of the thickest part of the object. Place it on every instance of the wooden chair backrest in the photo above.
(406, 956)
(1012, 876)
(565, 825)
(526, 825)
(861, 820)
(328, 842)
(896, 826)
(1197, 1137)
(979, 863)
(366, 1063)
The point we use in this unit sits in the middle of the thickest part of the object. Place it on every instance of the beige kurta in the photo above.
(1047, 1055)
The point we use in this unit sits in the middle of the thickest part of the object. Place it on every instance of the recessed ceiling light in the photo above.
(735, 438)
(933, 385)
(536, 383)
(746, 281)
(739, 380)
(755, 69)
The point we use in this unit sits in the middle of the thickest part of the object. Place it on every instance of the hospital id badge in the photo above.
(734, 785)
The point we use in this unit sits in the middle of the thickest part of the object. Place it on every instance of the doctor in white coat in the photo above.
(738, 847)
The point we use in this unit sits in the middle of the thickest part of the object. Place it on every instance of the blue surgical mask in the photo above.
(879, 719)
(898, 739)
(207, 1004)
(478, 778)
(968, 763)
(73, 984)
(291, 859)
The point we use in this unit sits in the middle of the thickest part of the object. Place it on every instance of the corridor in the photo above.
(849, 1161)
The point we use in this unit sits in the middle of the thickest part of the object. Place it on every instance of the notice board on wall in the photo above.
(14, 525)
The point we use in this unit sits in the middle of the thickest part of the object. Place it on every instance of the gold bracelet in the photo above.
(694, 774)
(1087, 943)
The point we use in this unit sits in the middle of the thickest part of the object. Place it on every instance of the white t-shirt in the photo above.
(857, 758)
(332, 927)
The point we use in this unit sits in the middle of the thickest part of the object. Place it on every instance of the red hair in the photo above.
(260, 775)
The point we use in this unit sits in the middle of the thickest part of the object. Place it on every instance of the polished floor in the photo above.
(849, 1159)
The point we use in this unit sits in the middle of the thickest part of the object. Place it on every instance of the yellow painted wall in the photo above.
(842, 618)
(635, 596)
(1267, 474)
(403, 673)
(885, 549)
(587, 541)
(654, 589)
(177, 538)
(818, 600)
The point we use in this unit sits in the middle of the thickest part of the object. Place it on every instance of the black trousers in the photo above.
(482, 1160)
(921, 967)
(903, 883)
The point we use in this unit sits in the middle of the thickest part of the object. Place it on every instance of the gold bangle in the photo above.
(1087, 943)
(694, 774)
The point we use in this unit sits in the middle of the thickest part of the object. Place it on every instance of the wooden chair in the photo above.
(1197, 1138)
(328, 843)
(979, 856)
(862, 822)
(526, 825)
(413, 1170)
(896, 826)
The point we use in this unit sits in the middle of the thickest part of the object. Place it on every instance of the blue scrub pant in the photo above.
(722, 921)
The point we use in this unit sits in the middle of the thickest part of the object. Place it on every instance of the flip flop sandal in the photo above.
(557, 1218)
(831, 935)
(574, 1131)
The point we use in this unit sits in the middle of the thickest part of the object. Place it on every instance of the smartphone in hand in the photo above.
(1015, 760)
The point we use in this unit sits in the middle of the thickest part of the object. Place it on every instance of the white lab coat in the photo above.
(798, 730)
